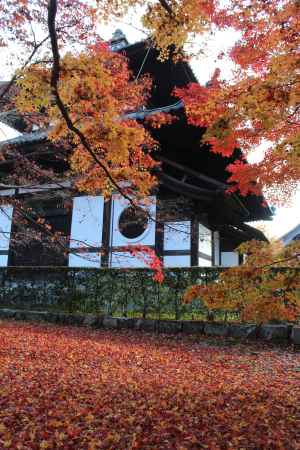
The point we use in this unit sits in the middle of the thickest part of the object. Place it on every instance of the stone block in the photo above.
(272, 332)
(35, 316)
(21, 315)
(110, 322)
(216, 329)
(146, 325)
(7, 313)
(76, 319)
(126, 323)
(64, 319)
(91, 320)
(243, 331)
(169, 326)
(192, 327)
(67, 319)
(52, 317)
(295, 335)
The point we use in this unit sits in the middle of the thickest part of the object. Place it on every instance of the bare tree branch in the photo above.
(295, 256)
(167, 7)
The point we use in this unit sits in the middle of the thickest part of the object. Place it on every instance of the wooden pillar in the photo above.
(106, 234)
(195, 242)
(159, 231)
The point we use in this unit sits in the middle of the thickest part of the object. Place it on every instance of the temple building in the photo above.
(190, 220)
(291, 236)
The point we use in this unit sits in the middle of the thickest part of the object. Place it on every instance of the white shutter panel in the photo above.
(205, 246)
(177, 238)
(86, 231)
(229, 259)
(119, 258)
(6, 214)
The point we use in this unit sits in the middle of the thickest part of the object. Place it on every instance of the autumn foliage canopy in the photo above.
(70, 83)
(265, 288)
(96, 87)
(259, 105)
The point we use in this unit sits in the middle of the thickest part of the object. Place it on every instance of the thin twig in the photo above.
(295, 256)
(15, 76)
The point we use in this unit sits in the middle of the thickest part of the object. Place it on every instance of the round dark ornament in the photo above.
(133, 222)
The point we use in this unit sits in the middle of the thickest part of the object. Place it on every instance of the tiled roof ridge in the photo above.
(37, 136)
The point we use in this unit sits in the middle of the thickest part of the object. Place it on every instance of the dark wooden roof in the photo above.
(181, 143)
(10, 116)
(143, 59)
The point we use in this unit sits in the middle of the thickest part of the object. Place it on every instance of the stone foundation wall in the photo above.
(282, 333)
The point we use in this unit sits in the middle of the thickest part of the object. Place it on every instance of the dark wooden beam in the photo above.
(221, 187)
(190, 195)
(159, 238)
(194, 242)
(182, 187)
(185, 169)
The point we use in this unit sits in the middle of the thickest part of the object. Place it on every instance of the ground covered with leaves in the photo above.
(74, 388)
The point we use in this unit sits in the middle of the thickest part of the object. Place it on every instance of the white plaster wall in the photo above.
(3, 260)
(177, 260)
(177, 235)
(6, 213)
(205, 241)
(7, 192)
(117, 238)
(125, 260)
(85, 260)
(87, 222)
(86, 229)
(229, 259)
(202, 262)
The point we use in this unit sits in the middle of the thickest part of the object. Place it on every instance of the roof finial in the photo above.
(118, 40)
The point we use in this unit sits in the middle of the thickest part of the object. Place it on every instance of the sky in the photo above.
(203, 66)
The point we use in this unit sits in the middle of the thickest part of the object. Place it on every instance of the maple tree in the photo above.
(265, 288)
(70, 81)
(261, 103)
(148, 256)
(96, 87)
(85, 96)
(82, 100)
